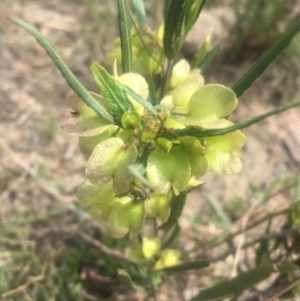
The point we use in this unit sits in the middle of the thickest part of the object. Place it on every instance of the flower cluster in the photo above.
(136, 166)
(150, 248)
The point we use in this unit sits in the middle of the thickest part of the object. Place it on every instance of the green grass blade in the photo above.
(235, 286)
(73, 82)
(186, 266)
(139, 8)
(125, 35)
(265, 60)
(209, 59)
(225, 220)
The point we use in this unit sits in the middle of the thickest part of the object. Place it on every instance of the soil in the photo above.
(33, 148)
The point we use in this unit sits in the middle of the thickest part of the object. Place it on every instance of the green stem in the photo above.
(191, 131)
(125, 36)
(73, 82)
(164, 81)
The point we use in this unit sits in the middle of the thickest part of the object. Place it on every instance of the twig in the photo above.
(241, 241)
(216, 242)
(90, 241)
(224, 255)
(101, 247)
(290, 287)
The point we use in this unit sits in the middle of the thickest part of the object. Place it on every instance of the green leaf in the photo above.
(144, 102)
(265, 60)
(192, 11)
(73, 82)
(234, 286)
(186, 266)
(125, 35)
(112, 92)
(138, 171)
(287, 267)
(177, 204)
(125, 278)
(210, 57)
(172, 26)
(180, 16)
(172, 236)
(140, 12)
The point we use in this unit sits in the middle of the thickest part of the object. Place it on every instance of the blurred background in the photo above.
(48, 246)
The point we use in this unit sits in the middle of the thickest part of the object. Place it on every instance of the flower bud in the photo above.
(165, 144)
(151, 246)
(168, 258)
(131, 120)
(148, 136)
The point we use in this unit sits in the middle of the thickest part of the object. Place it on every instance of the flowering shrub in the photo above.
(150, 133)
(170, 162)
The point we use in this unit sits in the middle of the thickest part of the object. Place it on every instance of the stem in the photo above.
(191, 131)
(164, 81)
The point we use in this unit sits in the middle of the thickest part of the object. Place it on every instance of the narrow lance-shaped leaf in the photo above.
(111, 91)
(172, 236)
(172, 25)
(177, 204)
(138, 171)
(73, 82)
(180, 16)
(192, 10)
(140, 12)
(125, 35)
(140, 99)
(265, 60)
